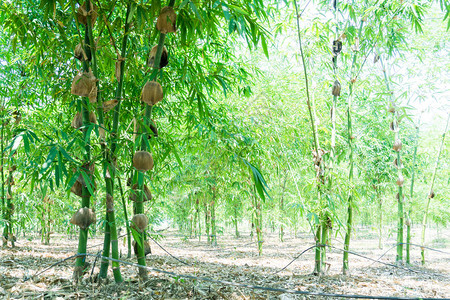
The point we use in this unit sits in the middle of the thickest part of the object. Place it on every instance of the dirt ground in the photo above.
(234, 260)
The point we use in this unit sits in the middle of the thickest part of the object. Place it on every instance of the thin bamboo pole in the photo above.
(400, 198)
(318, 160)
(431, 192)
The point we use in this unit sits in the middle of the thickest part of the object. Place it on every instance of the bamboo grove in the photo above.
(131, 114)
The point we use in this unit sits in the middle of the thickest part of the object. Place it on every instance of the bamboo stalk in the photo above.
(213, 218)
(348, 232)
(86, 196)
(111, 237)
(411, 196)
(2, 166)
(430, 195)
(127, 223)
(311, 110)
(400, 200)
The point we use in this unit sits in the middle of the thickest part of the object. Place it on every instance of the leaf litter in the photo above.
(233, 260)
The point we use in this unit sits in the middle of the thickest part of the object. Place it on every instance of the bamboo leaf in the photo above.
(258, 180)
(51, 156)
(177, 157)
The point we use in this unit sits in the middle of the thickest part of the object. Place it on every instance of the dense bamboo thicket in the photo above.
(240, 117)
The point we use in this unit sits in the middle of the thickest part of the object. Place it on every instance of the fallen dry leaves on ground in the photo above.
(233, 260)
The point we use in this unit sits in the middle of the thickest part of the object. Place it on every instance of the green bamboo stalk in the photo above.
(109, 168)
(350, 137)
(195, 217)
(197, 203)
(310, 104)
(141, 237)
(400, 198)
(334, 102)
(127, 223)
(258, 221)
(4, 200)
(411, 196)
(236, 230)
(207, 221)
(106, 249)
(110, 227)
(431, 193)
(282, 211)
(86, 197)
(380, 220)
(213, 218)
(147, 119)
(8, 214)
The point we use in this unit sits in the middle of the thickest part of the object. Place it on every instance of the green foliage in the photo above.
(228, 113)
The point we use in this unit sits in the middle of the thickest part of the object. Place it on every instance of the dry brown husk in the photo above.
(17, 117)
(11, 237)
(117, 70)
(109, 203)
(166, 20)
(110, 104)
(88, 168)
(391, 109)
(397, 196)
(336, 88)
(77, 189)
(82, 13)
(152, 93)
(337, 47)
(80, 182)
(393, 126)
(397, 165)
(134, 193)
(147, 248)
(408, 222)
(93, 95)
(164, 57)
(143, 161)
(139, 222)
(376, 58)
(83, 217)
(400, 180)
(77, 121)
(102, 134)
(84, 85)
(397, 145)
(79, 53)
(135, 129)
